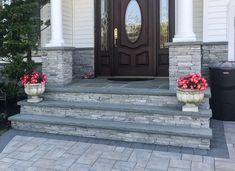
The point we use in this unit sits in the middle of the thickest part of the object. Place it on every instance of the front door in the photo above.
(131, 37)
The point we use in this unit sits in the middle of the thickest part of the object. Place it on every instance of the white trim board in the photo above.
(231, 30)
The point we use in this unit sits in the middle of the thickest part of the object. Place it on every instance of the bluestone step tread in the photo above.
(125, 91)
(119, 107)
(115, 125)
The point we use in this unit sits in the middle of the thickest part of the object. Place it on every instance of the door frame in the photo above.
(109, 69)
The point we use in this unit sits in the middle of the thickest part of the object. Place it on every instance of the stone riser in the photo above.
(156, 118)
(201, 143)
(119, 99)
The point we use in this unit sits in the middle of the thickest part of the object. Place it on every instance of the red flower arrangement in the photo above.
(34, 78)
(88, 76)
(193, 82)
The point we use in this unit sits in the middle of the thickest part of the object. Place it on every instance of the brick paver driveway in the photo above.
(36, 151)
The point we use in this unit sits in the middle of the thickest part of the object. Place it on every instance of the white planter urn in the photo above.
(190, 98)
(34, 92)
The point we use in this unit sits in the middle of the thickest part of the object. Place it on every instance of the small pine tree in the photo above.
(20, 29)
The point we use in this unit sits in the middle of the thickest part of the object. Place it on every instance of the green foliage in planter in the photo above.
(3, 117)
(10, 89)
(18, 67)
(20, 28)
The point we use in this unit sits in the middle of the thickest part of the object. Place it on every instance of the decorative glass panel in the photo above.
(133, 21)
(104, 25)
(164, 23)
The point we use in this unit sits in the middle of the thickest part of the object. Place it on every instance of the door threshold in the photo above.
(131, 78)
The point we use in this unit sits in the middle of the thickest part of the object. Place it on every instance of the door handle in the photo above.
(115, 37)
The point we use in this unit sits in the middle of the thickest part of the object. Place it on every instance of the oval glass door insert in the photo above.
(133, 21)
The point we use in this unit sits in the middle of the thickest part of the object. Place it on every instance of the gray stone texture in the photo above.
(83, 61)
(152, 100)
(192, 142)
(94, 112)
(213, 52)
(184, 58)
(122, 116)
(58, 66)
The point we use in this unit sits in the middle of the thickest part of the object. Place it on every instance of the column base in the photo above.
(54, 44)
(189, 38)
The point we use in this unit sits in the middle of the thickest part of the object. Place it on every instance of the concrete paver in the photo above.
(28, 151)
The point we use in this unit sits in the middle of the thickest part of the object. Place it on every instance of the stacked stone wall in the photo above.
(213, 52)
(83, 62)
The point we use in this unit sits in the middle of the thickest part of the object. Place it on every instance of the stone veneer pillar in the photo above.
(184, 58)
(58, 65)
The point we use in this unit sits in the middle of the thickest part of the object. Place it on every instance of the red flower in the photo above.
(33, 78)
(193, 82)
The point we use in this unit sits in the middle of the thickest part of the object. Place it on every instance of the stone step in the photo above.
(114, 130)
(118, 95)
(119, 112)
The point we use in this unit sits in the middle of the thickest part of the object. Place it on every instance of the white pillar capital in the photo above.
(185, 22)
(56, 24)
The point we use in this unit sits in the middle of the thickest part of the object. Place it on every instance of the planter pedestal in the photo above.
(34, 99)
(190, 108)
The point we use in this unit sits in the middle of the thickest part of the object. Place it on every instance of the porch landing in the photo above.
(131, 87)
(144, 112)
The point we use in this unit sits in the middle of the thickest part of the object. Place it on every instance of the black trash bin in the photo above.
(222, 82)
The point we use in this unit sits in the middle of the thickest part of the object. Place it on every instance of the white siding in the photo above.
(83, 36)
(46, 34)
(198, 19)
(68, 22)
(231, 30)
(215, 20)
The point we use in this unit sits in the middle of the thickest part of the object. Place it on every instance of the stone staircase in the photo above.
(133, 115)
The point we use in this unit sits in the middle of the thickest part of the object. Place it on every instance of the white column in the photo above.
(185, 22)
(56, 24)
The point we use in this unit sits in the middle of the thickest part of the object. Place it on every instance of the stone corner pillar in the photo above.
(57, 64)
(184, 58)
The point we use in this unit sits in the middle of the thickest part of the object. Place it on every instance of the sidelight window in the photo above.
(164, 23)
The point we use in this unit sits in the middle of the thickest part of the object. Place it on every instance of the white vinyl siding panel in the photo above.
(46, 34)
(215, 20)
(68, 22)
(83, 33)
(198, 19)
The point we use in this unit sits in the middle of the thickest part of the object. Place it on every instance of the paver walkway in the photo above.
(36, 151)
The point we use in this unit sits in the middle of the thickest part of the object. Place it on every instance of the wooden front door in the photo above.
(131, 37)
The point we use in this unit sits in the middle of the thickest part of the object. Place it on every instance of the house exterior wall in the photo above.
(46, 33)
(198, 19)
(83, 61)
(210, 23)
(68, 22)
(215, 20)
(83, 24)
(213, 52)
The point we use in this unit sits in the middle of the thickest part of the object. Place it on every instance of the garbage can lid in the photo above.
(228, 65)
